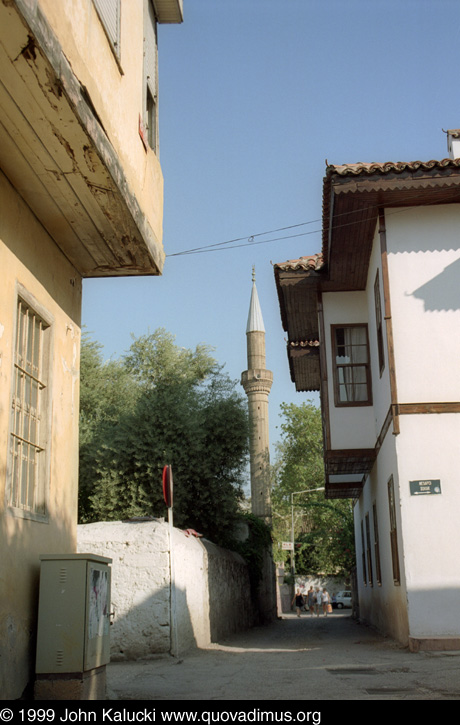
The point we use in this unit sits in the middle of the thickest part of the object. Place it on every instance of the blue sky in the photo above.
(254, 96)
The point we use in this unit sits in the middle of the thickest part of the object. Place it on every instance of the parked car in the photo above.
(342, 599)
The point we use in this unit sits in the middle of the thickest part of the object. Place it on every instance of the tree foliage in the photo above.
(161, 405)
(323, 529)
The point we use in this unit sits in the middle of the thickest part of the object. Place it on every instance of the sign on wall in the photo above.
(424, 488)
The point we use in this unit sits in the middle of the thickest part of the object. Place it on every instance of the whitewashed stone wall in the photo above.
(212, 590)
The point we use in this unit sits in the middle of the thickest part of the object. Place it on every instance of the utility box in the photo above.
(73, 614)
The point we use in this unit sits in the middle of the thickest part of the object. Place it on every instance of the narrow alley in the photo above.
(310, 659)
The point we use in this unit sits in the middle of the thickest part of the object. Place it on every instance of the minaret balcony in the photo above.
(257, 380)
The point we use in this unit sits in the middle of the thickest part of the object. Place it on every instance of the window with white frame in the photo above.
(29, 413)
(351, 366)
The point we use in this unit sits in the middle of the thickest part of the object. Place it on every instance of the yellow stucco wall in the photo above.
(28, 257)
(115, 88)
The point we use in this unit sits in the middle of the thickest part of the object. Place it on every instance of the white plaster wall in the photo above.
(140, 583)
(383, 605)
(212, 591)
(192, 600)
(351, 427)
(424, 269)
(428, 448)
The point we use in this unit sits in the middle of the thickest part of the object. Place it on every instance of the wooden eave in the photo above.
(346, 489)
(352, 461)
(351, 202)
(56, 154)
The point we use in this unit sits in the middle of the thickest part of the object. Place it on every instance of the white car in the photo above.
(343, 599)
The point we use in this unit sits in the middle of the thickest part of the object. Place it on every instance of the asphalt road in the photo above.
(310, 659)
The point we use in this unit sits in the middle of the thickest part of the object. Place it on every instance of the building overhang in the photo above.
(353, 194)
(346, 471)
(56, 154)
(169, 11)
(296, 285)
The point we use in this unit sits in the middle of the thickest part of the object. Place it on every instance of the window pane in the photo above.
(351, 364)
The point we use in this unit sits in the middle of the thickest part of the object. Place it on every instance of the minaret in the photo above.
(257, 381)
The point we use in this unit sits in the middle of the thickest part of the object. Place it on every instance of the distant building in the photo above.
(81, 192)
(373, 323)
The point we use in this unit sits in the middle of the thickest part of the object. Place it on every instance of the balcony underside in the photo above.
(56, 154)
(346, 471)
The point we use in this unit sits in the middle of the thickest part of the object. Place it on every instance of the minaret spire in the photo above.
(257, 382)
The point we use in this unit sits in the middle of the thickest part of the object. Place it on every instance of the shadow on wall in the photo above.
(144, 631)
(230, 604)
(22, 541)
(443, 291)
(211, 597)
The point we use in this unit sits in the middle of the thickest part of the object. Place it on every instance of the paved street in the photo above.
(325, 658)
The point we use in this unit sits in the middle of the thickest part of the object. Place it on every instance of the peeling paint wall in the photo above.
(212, 590)
(116, 90)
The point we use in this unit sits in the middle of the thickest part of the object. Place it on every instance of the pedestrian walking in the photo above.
(311, 601)
(318, 601)
(325, 601)
(299, 602)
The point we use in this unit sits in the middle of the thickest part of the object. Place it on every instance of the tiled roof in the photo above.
(391, 166)
(313, 262)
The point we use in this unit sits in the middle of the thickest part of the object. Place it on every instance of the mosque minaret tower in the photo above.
(257, 382)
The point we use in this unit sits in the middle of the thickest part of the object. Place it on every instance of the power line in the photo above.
(249, 240)
(224, 246)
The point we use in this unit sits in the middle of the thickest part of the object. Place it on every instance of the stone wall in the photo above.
(210, 598)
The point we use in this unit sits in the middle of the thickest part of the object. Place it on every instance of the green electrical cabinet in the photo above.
(73, 613)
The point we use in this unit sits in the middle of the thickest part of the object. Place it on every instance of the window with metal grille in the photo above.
(29, 413)
(352, 375)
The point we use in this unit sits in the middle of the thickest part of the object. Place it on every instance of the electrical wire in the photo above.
(224, 246)
(249, 240)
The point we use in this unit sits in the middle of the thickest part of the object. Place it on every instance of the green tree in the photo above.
(179, 408)
(323, 529)
(108, 395)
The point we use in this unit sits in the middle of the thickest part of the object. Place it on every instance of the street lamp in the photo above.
(296, 493)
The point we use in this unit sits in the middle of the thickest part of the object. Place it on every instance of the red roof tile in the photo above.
(313, 262)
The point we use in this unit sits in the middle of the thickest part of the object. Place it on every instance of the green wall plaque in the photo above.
(425, 488)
